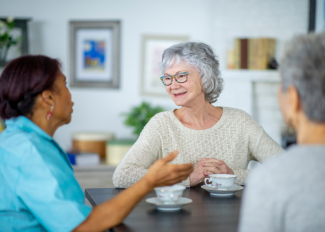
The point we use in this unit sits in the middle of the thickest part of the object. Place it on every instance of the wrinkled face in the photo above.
(62, 102)
(188, 93)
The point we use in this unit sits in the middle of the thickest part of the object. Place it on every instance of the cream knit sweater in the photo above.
(236, 139)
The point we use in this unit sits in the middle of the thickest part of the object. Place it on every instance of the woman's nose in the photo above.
(174, 85)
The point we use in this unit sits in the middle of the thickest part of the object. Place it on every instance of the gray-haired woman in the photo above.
(215, 139)
(290, 188)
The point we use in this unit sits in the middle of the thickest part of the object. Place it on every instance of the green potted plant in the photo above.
(6, 39)
(139, 116)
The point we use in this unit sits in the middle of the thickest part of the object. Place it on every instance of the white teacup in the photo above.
(220, 181)
(169, 194)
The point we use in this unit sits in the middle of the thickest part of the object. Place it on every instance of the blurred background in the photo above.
(237, 30)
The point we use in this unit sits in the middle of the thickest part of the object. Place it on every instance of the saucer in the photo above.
(169, 207)
(222, 192)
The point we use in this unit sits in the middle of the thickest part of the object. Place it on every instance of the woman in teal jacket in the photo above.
(37, 186)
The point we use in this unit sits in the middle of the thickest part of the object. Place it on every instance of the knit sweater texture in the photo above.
(236, 139)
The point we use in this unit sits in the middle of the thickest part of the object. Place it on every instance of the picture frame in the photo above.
(152, 49)
(95, 54)
(20, 29)
(316, 22)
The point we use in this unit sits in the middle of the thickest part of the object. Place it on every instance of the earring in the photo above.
(49, 114)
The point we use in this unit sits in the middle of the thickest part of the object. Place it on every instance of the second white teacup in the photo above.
(169, 194)
(220, 181)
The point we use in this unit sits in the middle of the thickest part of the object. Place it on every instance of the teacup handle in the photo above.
(205, 181)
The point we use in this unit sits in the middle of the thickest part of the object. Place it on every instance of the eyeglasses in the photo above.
(179, 77)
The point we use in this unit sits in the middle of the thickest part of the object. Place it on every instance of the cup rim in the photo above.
(222, 176)
(176, 188)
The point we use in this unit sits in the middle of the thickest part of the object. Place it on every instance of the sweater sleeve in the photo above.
(140, 157)
(241, 175)
(260, 147)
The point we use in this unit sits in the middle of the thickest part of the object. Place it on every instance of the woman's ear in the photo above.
(294, 105)
(47, 97)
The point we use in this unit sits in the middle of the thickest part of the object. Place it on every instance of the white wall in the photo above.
(215, 22)
(100, 109)
(281, 19)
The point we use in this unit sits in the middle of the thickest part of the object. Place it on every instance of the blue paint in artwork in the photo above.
(94, 54)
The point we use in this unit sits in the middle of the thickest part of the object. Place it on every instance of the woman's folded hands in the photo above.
(206, 167)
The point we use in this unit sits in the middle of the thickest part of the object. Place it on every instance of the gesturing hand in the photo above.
(207, 166)
(161, 173)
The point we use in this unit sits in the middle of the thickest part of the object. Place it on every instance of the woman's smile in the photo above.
(179, 94)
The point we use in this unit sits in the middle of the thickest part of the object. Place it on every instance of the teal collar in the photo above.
(25, 124)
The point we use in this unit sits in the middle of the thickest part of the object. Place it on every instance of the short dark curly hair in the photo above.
(22, 80)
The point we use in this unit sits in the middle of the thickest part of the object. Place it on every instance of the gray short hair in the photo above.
(303, 66)
(201, 57)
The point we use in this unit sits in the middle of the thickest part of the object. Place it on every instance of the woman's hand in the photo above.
(161, 173)
(197, 176)
(207, 166)
(112, 212)
(215, 166)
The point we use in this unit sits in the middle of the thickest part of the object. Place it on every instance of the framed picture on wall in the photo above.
(320, 16)
(153, 47)
(94, 54)
(19, 33)
(316, 16)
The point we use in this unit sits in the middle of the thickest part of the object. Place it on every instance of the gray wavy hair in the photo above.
(303, 66)
(201, 57)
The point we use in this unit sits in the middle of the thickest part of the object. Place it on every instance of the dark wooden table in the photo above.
(205, 213)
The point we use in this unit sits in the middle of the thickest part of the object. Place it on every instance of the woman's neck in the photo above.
(311, 133)
(49, 126)
(200, 117)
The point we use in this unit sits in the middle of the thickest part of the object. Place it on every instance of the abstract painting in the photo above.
(94, 54)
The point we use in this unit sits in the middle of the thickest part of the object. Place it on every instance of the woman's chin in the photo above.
(68, 120)
(179, 102)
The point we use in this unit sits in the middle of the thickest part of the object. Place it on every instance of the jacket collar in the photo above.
(25, 124)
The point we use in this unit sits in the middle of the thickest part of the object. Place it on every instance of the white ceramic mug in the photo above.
(220, 181)
(169, 194)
